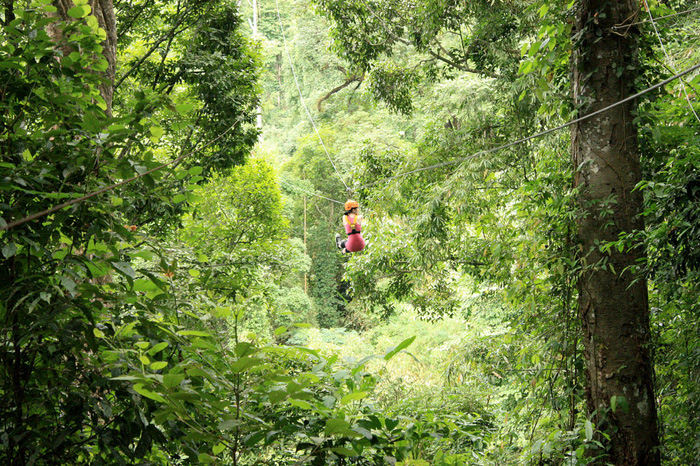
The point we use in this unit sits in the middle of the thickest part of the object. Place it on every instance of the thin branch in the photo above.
(348, 81)
(443, 59)
(172, 33)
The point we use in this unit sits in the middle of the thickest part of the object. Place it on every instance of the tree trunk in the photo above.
(613, 302)
(103, 10)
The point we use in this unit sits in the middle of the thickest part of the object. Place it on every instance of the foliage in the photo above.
(80, 299)
(173, 320)
(194, 54)
(220, 67)
(234, 245)
(57, 144)
(426, 40)
(669, 142)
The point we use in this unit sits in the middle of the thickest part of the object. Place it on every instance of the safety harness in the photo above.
(352, 223)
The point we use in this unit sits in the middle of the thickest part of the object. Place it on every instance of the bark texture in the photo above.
(103, 10)
(613, 303)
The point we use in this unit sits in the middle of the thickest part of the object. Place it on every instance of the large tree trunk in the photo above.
(613, 302)
(103, 10)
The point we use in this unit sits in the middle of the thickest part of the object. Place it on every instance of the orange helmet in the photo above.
(350, 204)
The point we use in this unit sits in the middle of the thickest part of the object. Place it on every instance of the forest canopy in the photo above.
(173, 175)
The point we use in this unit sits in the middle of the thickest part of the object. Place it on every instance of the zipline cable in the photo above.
(301, 97)
(537, 135)
(626, 26)
(309, 192)
(668, 59)
(400, 175)
(55, 209)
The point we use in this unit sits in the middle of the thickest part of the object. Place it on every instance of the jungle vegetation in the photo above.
(172, 174)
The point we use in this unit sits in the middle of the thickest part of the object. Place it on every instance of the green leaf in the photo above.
(158, 365)
(159, 347)
(117, 201)
(193, 333)
(126, 331)
(619, 401)
(344, 451)
(139, 388)
(401, 346)
(156, 133)
(179, 198)
(173, 380)
(194, 272)
(275, 396)
(245, 363)
(352, 397)
(145, 284)
(101, 65)
(207, 459)
(523, 51)
(244, 348)
(534, 48)
(227, 424)
(525, 67)
(218, 448)
(98, 333)
(68, 284)
(129, 378)
(280, 330)
(335, 426)
(589, 430)
(364, 432)
(79, 11)
(116, 128)
(124, 268)
(254, 438)
(194, 171)
(184, 108)
(300, 403)
(391, 423)
(9, 250)
(92, 22)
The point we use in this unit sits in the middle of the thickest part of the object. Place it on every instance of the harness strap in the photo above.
(352, 223)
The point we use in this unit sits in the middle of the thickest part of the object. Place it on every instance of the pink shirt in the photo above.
(355, 241)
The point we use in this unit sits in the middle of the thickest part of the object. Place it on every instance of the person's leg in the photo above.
(338, 242)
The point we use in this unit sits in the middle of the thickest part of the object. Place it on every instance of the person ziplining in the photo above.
(9, 225)
(353, 228)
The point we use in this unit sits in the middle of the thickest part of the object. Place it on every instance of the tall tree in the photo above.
(613, 299)
(61, 396)
(103, 12)
(613, 303)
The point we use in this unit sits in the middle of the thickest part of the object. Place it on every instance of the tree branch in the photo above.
(172, 33)
(452, 62)
(436, 55)
(348, 81)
